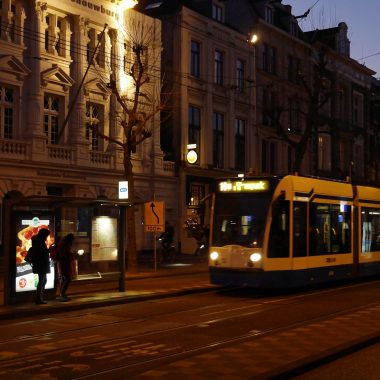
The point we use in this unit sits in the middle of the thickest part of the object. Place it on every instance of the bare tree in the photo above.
(318, 91)
(140, 104)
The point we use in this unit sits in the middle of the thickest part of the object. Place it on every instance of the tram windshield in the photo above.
(240, 219)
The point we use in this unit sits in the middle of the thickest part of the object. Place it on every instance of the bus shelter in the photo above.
(97, 224)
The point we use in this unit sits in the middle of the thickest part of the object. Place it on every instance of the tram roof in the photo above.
(310, 186)
(368, 194)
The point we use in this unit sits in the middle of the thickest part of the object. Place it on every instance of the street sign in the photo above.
(154, 216)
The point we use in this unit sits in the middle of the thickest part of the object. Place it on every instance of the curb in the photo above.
(28, 310)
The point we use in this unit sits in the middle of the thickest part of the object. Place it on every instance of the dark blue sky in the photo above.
(361, 16)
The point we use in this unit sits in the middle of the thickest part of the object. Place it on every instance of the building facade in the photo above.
(56, 61)
(286, 101)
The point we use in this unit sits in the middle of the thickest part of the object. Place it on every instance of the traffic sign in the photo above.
(154, 216)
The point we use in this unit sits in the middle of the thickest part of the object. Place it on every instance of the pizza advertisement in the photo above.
(27, 227)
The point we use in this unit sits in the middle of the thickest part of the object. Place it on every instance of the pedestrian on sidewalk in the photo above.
(41, 262)
(65, 259)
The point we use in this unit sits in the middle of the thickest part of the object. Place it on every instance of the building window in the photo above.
(324, 153)
(218, 67)
(269, 59)
(194, 132)
(268, 157)
(100, 56)
(357, 109)
(93, 124)
(358, 159)
(47, 34)
(197, 193)
(93, 38)
(217, 12)
(218, 139)
(195, 59)
(9, 21)
(55, 35)
(239, 144)
(6, 111)
(51, 118)
(290, 68)
(272, 60)
(60, 44)
(268, 106)
(342, 105)
(240, 69)
(268, 16)
(294, 115)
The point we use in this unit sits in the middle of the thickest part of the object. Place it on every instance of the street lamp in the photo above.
(253, 38)
(127, 4)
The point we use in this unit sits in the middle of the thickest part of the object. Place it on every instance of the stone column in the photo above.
(75, 130)
(116, 111)
(34, 104)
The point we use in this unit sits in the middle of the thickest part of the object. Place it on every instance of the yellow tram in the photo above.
(281, 232)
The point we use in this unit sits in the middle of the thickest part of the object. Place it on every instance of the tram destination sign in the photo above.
(244, 186)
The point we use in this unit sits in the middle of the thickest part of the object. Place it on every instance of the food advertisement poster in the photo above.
(104, 239)
(26, 227)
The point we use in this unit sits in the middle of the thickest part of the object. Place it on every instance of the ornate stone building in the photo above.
(56, 61)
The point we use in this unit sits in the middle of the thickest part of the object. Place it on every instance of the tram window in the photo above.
(240, 220)
(278, 245)
(330, 228)
(370, 229)
(299, 229)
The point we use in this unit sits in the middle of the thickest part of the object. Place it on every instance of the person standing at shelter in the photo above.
(41, 262)
(65, 265)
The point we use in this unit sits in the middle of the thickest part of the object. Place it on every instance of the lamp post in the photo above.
(253, 38)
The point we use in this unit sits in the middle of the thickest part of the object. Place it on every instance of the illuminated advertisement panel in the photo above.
(26, 227)
(104, 239)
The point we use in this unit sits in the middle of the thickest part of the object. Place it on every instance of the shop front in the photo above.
(97, 224)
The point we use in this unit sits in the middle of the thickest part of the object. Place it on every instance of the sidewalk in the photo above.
(92, 292)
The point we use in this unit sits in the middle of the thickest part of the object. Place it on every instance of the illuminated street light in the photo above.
(127, 4)
(253, 39)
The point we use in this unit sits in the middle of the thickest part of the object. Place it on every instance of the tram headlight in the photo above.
(214, 255)
(255, 257)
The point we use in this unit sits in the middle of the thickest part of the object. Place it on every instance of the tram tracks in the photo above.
(137, 362)
(261, 302)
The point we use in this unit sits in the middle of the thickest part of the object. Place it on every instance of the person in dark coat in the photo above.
(65, 265)
(41, 262)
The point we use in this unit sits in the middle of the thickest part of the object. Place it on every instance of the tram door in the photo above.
(300, 228)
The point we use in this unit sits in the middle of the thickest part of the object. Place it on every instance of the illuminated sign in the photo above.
(123, 189)
(192, 157)
(28, 226)
(243, 186)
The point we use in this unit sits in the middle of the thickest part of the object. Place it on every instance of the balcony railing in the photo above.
(101, 159)
(60, 154)
(56, 154)
(13, 148)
